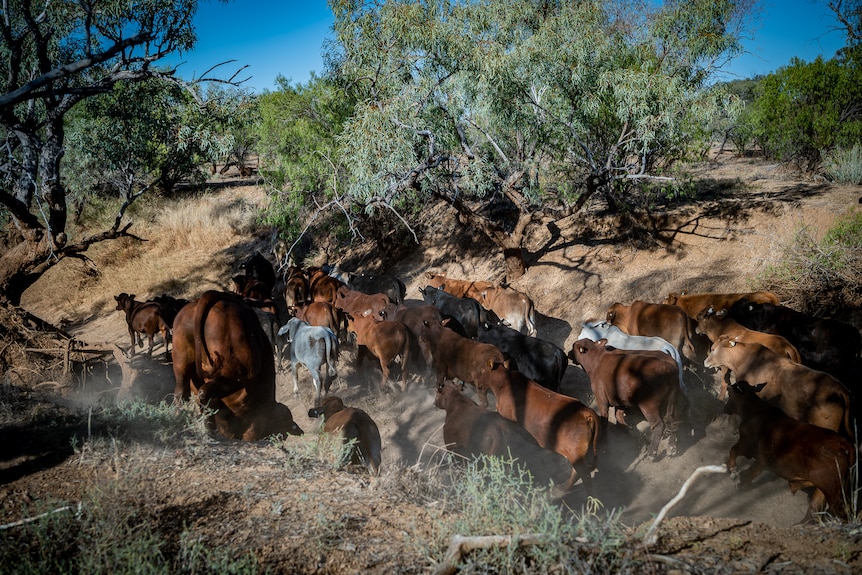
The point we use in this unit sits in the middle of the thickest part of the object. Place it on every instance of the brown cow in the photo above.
(421, 321)
(356, 428)
(296, 288)
(351, 301)
(669, 322)
(471, 431)
(456, 356)
(805, 455)
(714, 324)
(557, 422)
(515, 307)
(458, 288)
(695, 303)
(249, 287)
(385, 339)
(322, 286)
(222, 354)
(512, 306)
(625, 379)
(801, 392)
(323, 314)
(143, 317)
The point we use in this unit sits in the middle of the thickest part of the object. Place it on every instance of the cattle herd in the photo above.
(787, 375)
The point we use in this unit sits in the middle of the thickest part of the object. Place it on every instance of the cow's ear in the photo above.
(602, 342)
(131, 296)
(758, 387)
(117, 297)
(445, 321)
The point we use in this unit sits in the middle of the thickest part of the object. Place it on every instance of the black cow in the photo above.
(392, 286)
(823, 344)
(539, 360)
(258, 267)
(467, 312)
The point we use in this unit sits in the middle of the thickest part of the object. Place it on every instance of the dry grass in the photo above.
(205, 229)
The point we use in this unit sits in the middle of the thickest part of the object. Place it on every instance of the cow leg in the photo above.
(657, 427)
(384, 365)
(151, 338)
(816, 504)
(132, 336)
(295, 377)
(747, 476)
(315, 378)
(405, 356)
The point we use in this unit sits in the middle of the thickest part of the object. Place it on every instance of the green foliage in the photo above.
(141, 134)
(460, 96)
(844, 165)
(805, 108)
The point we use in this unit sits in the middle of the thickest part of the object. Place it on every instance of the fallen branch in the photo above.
(651, 535)
(35, 517)
(461, 545)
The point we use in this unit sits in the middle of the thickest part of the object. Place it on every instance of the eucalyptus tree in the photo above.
(541, 104)
(54, 55)
(300, 156)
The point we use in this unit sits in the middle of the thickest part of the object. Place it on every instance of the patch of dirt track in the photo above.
(302, 516)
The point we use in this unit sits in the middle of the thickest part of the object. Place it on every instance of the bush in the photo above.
(844, 165)
(819, 277)
(494, 496)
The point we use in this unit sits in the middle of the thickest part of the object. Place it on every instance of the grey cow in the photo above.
(316, 348)
(598, 330)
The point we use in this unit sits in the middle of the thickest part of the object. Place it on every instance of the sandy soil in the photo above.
(575, 272)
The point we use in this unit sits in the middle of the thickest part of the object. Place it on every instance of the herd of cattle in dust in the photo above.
(786, 374)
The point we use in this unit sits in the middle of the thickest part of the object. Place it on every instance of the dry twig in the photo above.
(461, 545)
(651, 535)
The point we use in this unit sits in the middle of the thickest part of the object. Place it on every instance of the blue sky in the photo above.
(286, 37)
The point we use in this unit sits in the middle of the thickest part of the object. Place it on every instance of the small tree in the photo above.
(542, 105)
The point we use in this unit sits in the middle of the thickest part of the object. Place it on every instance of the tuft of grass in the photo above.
(110, 533)
(496, 496)
(844, 165)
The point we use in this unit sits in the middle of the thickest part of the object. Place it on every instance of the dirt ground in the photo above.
(317, 520)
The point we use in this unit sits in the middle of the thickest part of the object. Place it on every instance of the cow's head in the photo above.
(742, 398)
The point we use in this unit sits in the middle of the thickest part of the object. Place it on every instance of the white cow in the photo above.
(619, 339)
(315, 347)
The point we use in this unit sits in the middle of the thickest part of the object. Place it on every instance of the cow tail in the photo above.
(332, 355)
(594, 430)
(206, 302)
(687, 344)
(530, 315)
